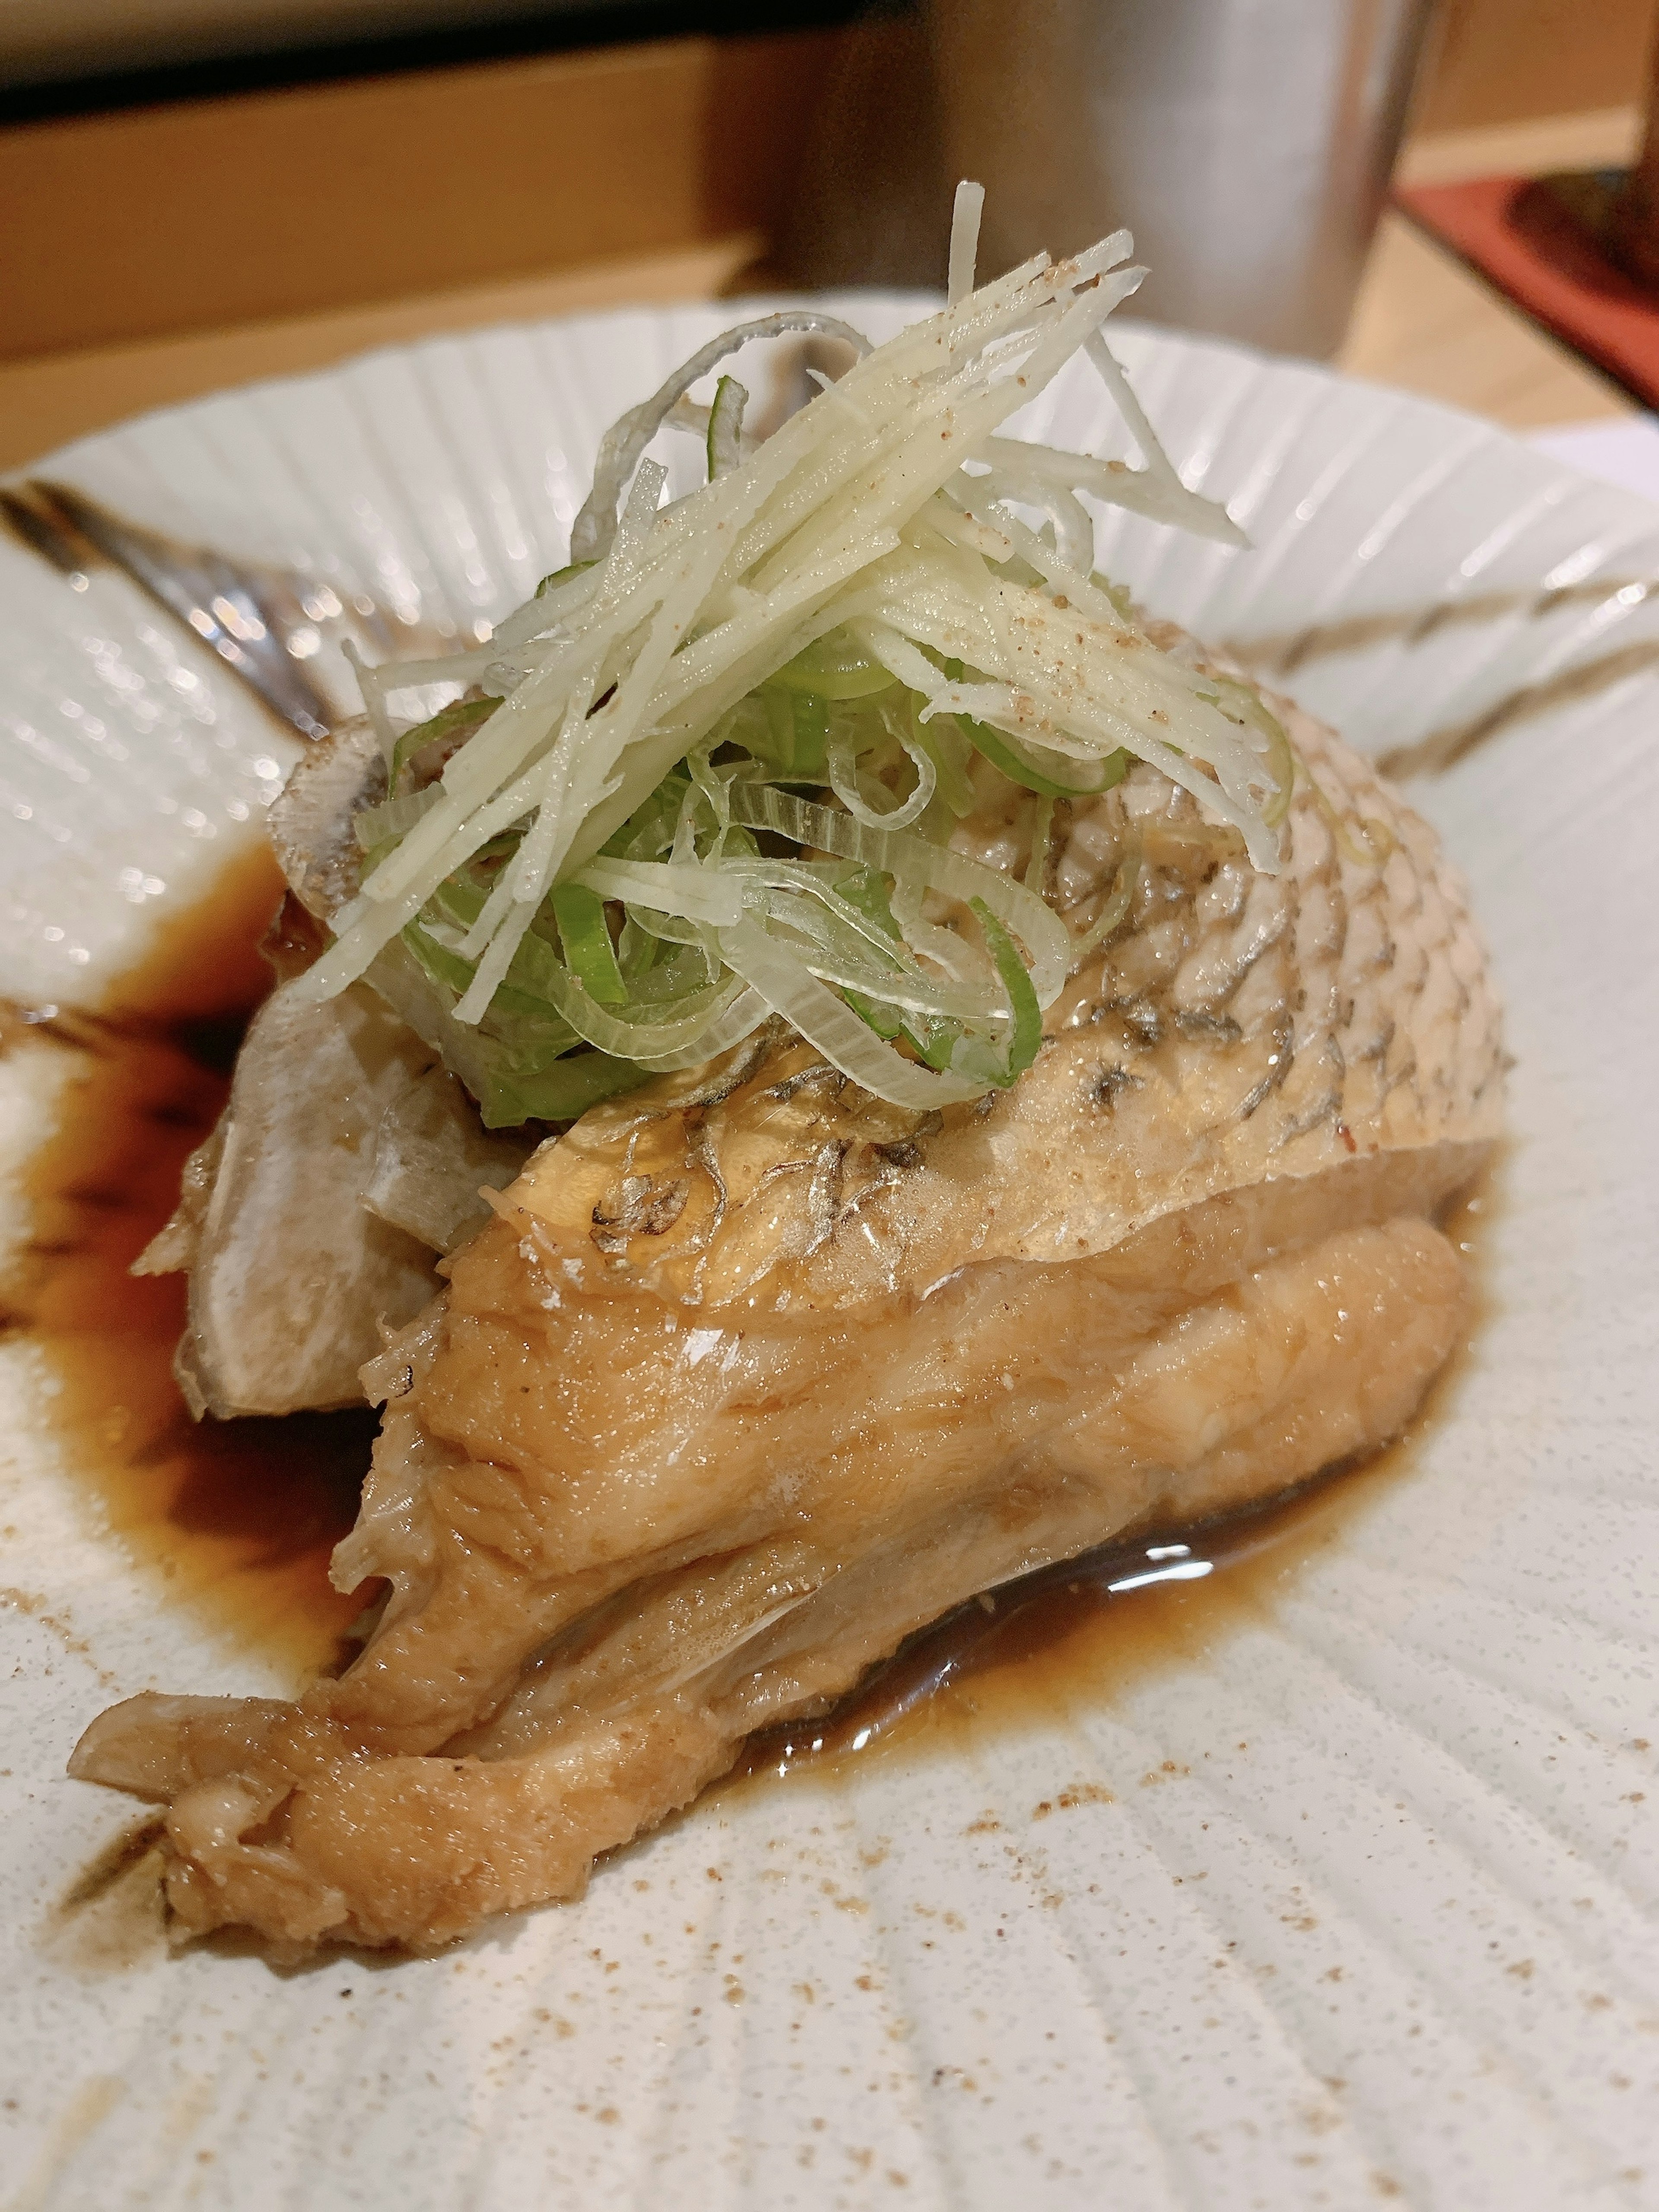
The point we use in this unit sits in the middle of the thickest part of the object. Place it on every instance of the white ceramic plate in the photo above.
(1357, 1904)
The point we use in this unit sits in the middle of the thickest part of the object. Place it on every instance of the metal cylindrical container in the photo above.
(1247, 143)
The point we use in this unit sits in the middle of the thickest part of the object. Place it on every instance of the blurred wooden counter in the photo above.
(646, 173)
(1425, 322)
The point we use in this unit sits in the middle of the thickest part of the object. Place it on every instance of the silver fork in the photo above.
(266, 624)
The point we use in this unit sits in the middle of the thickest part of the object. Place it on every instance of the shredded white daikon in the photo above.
(856, 591)
(964, 242)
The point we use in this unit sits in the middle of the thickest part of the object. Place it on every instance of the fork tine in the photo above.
(231, 608)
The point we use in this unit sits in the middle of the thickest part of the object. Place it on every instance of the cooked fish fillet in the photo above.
(291, 1276)
(346, 1159)
(753, 1374)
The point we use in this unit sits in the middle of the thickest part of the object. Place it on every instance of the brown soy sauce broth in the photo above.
(234, 1519)
(237, 1519)
(1077, 1631)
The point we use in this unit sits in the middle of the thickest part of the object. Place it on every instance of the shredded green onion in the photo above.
(726, 747)
(589, 954)
(458, 720)
(1026, 1033)
(833, 667)
(1243, 705)
(1016, 765)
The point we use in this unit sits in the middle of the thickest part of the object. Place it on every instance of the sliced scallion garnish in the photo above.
(796, 661)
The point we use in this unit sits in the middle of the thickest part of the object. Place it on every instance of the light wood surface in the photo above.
(1591, 138)
(197, 214)
(1423, 323)
(1426, 324)
(258, 206)
(44, 403)
(1499, 61)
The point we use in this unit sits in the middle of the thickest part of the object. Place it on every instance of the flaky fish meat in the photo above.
(751, 1373)
(346, 1159)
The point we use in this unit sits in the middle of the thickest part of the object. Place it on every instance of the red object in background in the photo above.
(1536, 239)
